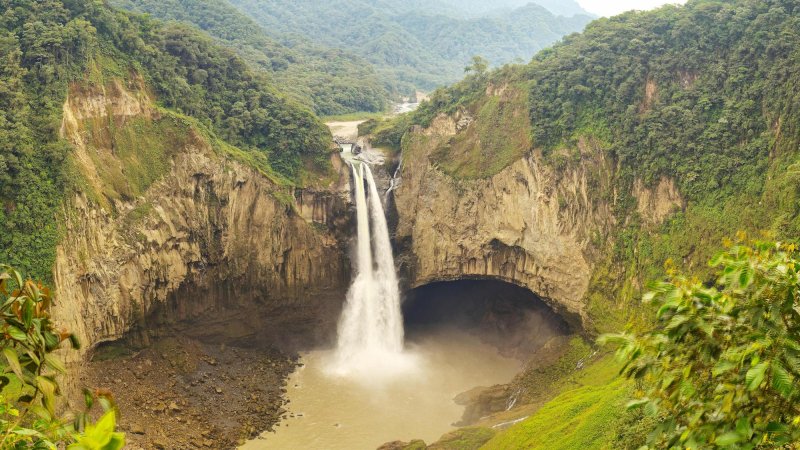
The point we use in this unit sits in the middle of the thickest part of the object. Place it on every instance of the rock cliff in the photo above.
(530, 224)
(202, 237)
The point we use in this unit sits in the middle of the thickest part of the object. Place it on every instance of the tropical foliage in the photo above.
(705, 95)
(330, 81)
(28, 371)
(723, 364)
(47, 45)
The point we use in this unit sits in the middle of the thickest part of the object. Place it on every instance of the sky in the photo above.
(613, 7)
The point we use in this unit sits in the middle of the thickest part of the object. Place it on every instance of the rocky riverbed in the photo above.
(183, 394)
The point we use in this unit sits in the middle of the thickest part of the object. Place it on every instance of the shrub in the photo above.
(28, 371)
(721, 368)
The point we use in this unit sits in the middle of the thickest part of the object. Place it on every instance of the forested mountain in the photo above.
(329, 80)
(467, 8)
(416, 44)
(46, 45)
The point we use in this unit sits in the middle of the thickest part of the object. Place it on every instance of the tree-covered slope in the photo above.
(707, 94)
(472, 8)
(330, 81)
(413, 43)
(46, 46)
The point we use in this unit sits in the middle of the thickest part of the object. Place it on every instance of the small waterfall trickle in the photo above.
(393, 182)
(371, 325)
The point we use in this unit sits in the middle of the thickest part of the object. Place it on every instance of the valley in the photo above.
(372, 224)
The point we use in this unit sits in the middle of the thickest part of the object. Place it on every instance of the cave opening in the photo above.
(509, 317)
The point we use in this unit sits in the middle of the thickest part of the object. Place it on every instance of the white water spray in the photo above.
(371, 325)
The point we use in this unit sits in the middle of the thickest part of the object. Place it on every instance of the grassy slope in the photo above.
(498, 136)
(584, 415)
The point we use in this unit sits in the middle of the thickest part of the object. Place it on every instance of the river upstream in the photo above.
(336, 413)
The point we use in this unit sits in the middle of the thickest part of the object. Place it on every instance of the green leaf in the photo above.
(48, 389)
(116, 443)
(18, 277)
(17, 334)
(777, 427)
(743, 427)
(745, 277)
(722, 367)
(73, 340)
(728, 438)
(27, 312)
(755, 375)
(100, 436)
(41, 412)
(55, 363)
(782, 381)
(13, 361)
(27, 432)
(633, 404)
(88, 398)
(677, 321)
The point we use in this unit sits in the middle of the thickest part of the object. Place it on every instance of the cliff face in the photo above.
(200, 237)
(529, 224)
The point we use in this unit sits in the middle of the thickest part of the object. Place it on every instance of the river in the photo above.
(338, 413)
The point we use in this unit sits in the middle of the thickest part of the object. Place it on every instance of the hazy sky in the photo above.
(612, 7)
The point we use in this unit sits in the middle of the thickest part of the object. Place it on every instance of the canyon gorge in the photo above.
(449, 269)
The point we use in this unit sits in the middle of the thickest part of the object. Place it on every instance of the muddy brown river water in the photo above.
(333, 412)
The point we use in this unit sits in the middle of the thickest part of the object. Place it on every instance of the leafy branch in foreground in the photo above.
(722, 366)
(28, 371)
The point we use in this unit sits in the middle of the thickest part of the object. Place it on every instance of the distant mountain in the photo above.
(567, 8)
(419, 44)
(330, 81)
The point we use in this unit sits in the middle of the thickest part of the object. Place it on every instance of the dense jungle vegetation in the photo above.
(417, 45)
(706, 94)
(46, 45)
(328, 80)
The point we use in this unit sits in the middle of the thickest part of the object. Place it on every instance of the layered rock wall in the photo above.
(529, 224)
(211, 239)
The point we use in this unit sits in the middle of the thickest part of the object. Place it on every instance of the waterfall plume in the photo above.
(371, 326)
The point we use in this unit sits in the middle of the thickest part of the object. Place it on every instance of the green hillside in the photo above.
(330, 81)
(45, 46)
(416, 44)
(678, 92)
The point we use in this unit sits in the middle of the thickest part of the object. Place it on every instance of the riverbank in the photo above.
(183, 394)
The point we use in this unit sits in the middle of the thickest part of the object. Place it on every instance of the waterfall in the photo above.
(371, 325)
(385, 275)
